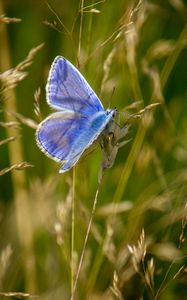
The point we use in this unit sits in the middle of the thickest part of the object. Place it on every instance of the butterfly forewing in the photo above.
(68, 90)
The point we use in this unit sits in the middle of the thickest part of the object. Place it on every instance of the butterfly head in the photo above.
(113, 112)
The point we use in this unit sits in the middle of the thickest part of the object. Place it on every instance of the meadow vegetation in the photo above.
(133, 54)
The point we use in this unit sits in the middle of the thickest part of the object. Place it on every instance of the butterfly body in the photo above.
(79, 118)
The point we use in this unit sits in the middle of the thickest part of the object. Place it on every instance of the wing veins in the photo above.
(90, 104)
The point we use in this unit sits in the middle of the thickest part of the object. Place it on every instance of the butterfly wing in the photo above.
(64, 136)
(68, 90)
(56, 134)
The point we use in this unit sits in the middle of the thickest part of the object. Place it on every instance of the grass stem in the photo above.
(22, 210)
(73, 230)
(85, 243)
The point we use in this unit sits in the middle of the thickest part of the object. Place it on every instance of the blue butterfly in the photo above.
(79, 119)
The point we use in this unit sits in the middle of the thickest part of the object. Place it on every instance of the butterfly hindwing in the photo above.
(56, 134)
(64, 136)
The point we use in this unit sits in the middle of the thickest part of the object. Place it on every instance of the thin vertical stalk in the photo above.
(85, 243)
(80, 29)
(24, 227)
(73, 230)
(89, 33)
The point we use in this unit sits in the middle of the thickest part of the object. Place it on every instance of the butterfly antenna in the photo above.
(113, 90)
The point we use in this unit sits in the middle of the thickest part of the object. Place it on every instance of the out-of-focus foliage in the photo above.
(134, 55)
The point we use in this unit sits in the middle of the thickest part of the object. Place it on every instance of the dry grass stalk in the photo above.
(183, 225)
(159, 49)
(63, 211)
(19, 167)
(153, 74)
(138, 252)
(145, 270)
(108, 209)
(134, 105)
(111, 39)
(149, 274)
(29, 59)
(8, 140)
(145, 114)
(21, 201)
(106, 68)
(93, 10)
(134, 19)
(52, 25)
(11, 77)
(18, 295)
(9, 124)
(115, 287)
(85, 243)
(5, 260)
(26, 121)
(37, 111)
(90, 8)
(148, 107)
(180, 272)
(108, 245)
(7, 20)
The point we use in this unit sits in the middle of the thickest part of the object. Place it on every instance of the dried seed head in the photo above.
(10, 78)
(37, 111)
(149, 273)
(19, 167)
(5, 260)
(138, 252)
(115, 287)
(7, 20)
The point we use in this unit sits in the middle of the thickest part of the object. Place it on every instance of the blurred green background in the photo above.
(131, 53)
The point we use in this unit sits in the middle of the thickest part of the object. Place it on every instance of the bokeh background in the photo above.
(134, 56)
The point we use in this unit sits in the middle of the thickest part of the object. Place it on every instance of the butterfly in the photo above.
(79, 120)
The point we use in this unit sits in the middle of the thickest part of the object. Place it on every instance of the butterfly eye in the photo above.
(114, 113)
